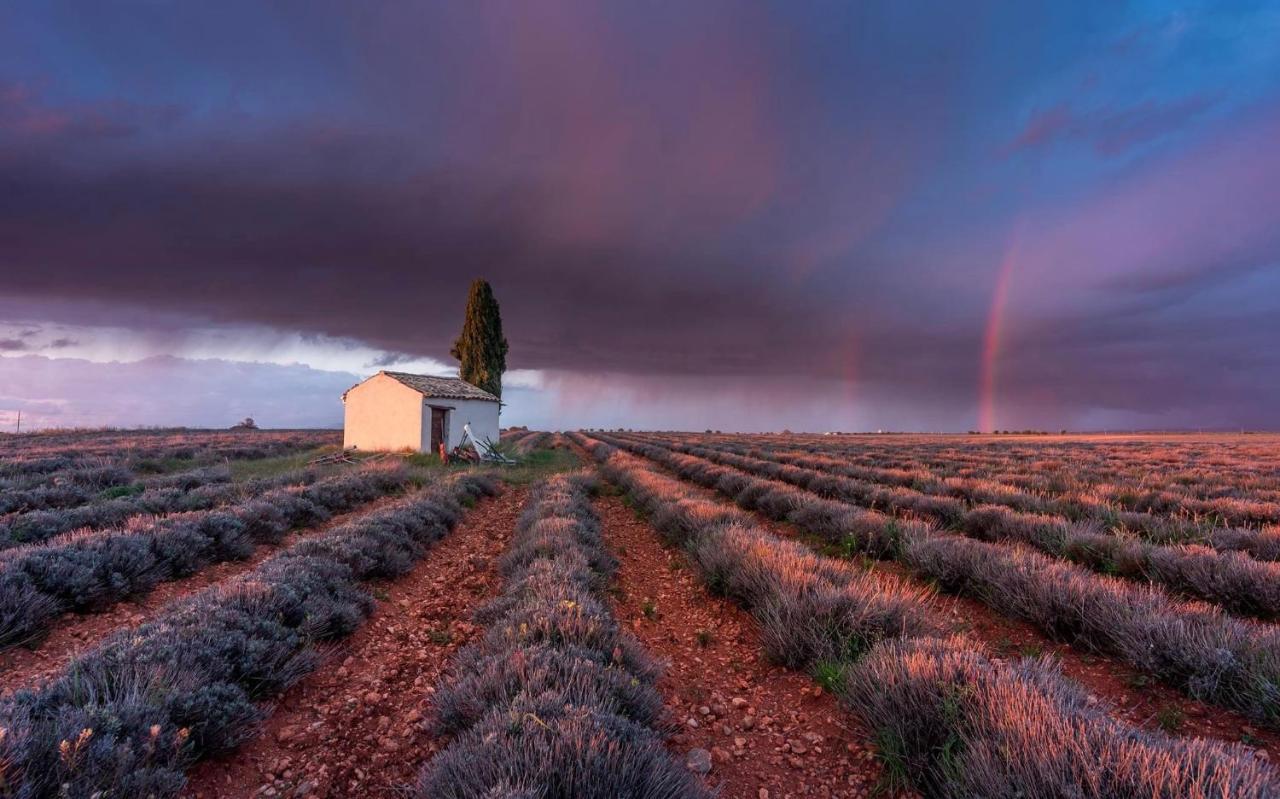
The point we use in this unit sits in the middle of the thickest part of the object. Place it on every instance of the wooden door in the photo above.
(437, 428)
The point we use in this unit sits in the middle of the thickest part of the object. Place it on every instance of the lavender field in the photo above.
(968, 616)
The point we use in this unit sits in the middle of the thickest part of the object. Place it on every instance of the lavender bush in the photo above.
(556, 699)
(1195, 648)
(130, 716)
(1234, 581)
(178, 493)
(958, 724)
(952, 722)
(91, 571)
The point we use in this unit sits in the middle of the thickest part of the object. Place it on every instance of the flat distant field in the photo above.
(239, 613)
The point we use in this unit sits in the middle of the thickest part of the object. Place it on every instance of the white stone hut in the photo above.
(396, 411)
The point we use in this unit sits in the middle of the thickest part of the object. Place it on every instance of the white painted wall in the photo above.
(382, 414)
(482, 415)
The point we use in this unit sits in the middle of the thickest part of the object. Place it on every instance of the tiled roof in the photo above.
(440, 387)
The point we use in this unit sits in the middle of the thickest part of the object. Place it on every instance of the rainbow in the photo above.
(991, 339)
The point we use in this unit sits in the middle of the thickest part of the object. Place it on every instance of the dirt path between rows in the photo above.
(354, 728)
(75, 633)
(772, 733)
(1133, 696)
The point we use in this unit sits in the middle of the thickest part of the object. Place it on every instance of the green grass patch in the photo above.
(164, 465)
(423, 467)
(242, 470)
(830, 675)
(1031, 650)
(1137, 680)
(115, 492)
(1171, 718)
(895, 774)
(532, 468)
(539, 465)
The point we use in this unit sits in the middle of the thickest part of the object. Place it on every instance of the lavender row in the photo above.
(180, 493)
(103, 483)
(954, 722)
(1195, 648)
(1204, 470)
(947, 718)
(950, 499)
(131, 716)
(36, 452)
(810, 608)
(1134, 502)
(95, 473)
(1233, 580)
(93, 571)
(529, 443)
(93, 463)
(1231, 489)
(556, 699)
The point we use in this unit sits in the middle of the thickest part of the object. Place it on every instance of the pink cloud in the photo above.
(1210, 209)
(1043, 127)
(25, 112)
(1112, 130)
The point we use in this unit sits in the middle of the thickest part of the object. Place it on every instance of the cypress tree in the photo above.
(481, 349)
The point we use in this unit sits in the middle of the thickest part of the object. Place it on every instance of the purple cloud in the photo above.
(759, 199)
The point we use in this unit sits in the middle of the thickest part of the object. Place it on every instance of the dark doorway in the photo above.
(437, 428)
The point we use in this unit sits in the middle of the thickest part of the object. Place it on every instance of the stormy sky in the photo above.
(731, 215)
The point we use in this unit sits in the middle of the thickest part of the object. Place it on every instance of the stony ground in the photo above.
(356, 727)
(753, 729)
(1135, 698)
(74, 633)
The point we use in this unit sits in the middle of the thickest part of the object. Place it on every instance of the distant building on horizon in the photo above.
(397, 411)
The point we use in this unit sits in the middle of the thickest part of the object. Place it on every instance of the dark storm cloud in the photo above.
(637, 223)
(389, 267)
(391, 359)
(818, 196)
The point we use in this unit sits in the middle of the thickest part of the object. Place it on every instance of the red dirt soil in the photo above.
(1135, 698)
(355, 727)
(773, 733)
(76, 633)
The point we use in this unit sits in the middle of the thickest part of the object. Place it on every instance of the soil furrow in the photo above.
(354, 728)
(1134, 697)
(771, 732)
(76, 632)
